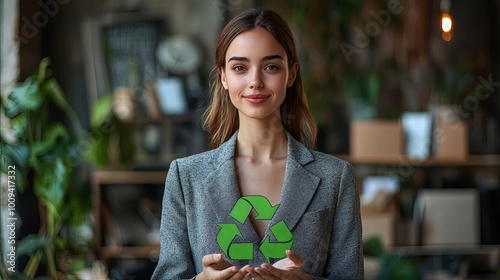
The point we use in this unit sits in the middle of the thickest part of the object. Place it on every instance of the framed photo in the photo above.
(119, 51)
(170, 96)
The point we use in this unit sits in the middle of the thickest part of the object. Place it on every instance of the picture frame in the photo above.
(119, 51)
(171, 96)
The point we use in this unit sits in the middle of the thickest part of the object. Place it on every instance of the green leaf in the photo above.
(18, 156)
(60, 243)
(79, 202)
(373, 247)
(53, 90)
(20, 126)
(51, 182)
(28, 95)
(25, 96)
(59, 151)
(50, 139)
(75, 151)
(13, 109)
(18, 276)
(101, 110)
(42, 70)
(394, 267)
(31, 243)
(98, 152)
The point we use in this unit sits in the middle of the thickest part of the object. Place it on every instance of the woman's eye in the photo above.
(239, 68)
(272, 68)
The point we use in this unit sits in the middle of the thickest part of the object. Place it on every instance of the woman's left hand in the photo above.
(287, 268)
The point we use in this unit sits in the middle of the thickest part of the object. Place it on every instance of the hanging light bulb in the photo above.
(446, 21)
(446, 27)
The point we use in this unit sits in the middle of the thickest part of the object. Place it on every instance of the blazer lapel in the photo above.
(221, 188)
(299, 186)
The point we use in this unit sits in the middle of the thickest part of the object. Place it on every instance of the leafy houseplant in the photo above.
(45, 151)
(392, 266)
(112, 145)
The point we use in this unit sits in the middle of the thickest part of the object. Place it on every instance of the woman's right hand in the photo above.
(216, 268)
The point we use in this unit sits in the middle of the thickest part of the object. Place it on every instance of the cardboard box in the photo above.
(378, 224)
(448, 217)
(451, 141)
(376, 140)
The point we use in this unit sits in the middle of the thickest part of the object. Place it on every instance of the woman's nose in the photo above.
(255, 80)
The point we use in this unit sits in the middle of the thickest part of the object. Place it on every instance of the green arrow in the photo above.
(226, 235)
(235, 251)
(241, 210)
(277, 249)
(241, 251)
(281, 232)
(244, 205)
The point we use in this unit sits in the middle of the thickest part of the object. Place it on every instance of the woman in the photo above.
(260, 129)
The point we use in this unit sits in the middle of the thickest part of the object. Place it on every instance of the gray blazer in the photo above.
(319, 204)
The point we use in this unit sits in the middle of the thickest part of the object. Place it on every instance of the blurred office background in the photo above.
(407, 91)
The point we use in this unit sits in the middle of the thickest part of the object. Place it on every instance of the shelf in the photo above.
(128, 177)
(435, 250)
(130, 252)
(472, 160)
(103, 178)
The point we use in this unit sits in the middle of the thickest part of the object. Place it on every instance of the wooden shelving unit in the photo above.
(443, 250)
(489, 162)
(472, 160)
(135, 252)
(102, 178)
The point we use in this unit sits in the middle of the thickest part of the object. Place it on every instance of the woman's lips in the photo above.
(256, 99)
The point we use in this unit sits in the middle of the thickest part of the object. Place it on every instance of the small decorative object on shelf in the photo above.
(418, 134)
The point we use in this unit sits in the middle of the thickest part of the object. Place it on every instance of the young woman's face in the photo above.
(257, 74)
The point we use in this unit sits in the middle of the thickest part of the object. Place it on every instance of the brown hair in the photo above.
(220, 118)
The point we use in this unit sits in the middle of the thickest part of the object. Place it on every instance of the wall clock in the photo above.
(179, 55)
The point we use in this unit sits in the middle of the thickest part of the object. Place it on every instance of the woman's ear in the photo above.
(293, 74)
(222, 75)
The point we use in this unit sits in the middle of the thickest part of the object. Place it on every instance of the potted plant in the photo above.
(44, 153)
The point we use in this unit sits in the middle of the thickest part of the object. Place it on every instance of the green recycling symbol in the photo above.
(265, 211)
